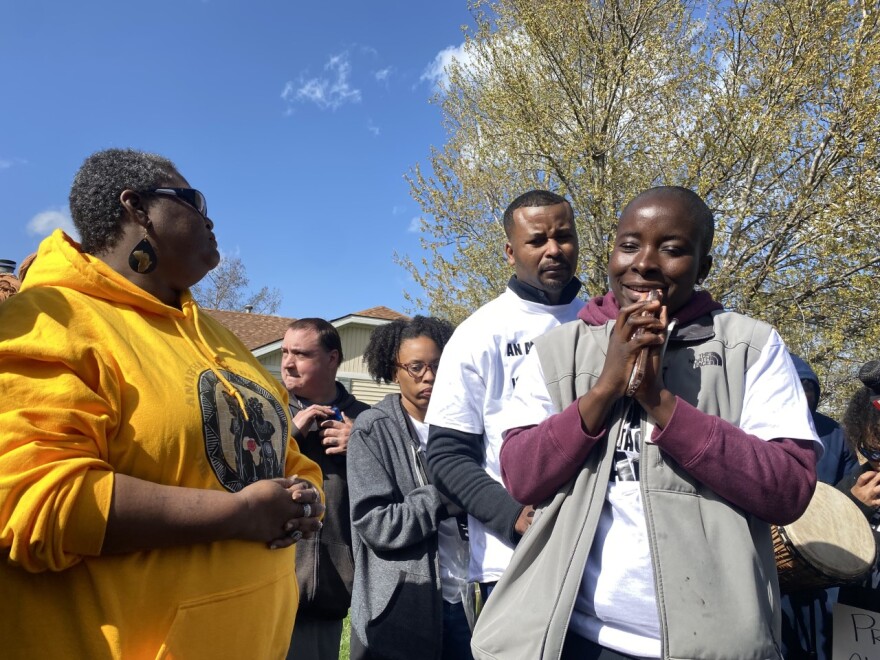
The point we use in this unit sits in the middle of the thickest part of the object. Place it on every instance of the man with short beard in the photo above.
(478, 372)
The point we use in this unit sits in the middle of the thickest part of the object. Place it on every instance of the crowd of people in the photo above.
(554, 478)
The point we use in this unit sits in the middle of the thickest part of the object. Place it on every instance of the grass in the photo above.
(344, 650)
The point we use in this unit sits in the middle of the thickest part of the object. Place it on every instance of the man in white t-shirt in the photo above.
(478, 372)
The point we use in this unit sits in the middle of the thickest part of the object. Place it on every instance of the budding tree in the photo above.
(770, 109)
(226, 287)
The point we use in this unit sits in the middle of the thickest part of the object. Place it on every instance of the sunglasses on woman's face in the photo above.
(189, 195)
(870, 453)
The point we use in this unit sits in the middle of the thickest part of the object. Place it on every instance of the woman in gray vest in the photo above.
(658, 440)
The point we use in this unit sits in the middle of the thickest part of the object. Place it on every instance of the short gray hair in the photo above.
(94, 196)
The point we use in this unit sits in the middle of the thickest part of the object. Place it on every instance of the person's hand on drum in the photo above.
(867, 488)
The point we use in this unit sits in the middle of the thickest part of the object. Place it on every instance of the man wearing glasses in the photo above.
(322, 411)
(479, 370)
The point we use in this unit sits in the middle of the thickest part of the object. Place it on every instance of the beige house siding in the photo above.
(354, 342)
(272, 363)
(369, 391)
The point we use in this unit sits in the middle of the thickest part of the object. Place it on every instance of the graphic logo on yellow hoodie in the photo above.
(243, 445)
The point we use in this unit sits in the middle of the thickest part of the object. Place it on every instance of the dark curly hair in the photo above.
(861, 421)
(381, 352)
(94, 196)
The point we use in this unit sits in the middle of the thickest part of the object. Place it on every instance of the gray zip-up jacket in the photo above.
(396, 606)
(715, 572)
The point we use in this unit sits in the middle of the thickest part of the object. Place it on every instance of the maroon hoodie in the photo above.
(773, 480)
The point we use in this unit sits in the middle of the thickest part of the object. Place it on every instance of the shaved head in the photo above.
(701, 214)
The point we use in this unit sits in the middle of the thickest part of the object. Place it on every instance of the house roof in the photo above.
(380, 312)
(254, 330)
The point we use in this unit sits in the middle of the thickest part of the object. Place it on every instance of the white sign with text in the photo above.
(856, 634)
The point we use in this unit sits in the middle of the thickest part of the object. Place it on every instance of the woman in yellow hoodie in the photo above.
(150, 493)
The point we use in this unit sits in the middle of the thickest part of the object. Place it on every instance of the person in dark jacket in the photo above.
(409, 548)
(806, 615)
(322, 411)
(861, 423)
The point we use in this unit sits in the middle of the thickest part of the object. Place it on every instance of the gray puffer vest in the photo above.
(714, 567)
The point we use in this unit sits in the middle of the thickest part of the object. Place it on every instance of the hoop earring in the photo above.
(142, 258)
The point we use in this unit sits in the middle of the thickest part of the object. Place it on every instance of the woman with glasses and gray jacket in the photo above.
(410, 552)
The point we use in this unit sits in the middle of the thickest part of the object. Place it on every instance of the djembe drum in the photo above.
(830, 545)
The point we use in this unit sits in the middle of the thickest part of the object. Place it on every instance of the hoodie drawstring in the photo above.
(203, 349)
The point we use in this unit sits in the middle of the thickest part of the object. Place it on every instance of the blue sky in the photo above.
(298, 120)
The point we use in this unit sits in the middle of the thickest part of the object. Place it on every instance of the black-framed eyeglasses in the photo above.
(189, 195)
(418, 369)
(870, 453)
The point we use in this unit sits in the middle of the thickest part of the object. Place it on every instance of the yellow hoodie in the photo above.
(98, 377)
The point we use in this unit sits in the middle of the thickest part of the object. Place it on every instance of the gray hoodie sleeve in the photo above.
(383, 516)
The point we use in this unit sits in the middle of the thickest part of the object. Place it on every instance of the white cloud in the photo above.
(44, 223)
(415, 225)
(8, 163)
(329, 91)
(397, 210)
(372, 128)
(436, 73)
(382, 74)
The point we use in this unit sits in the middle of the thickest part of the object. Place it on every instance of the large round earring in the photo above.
(142, 258)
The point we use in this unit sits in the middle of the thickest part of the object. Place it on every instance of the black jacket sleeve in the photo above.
(455, 461)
